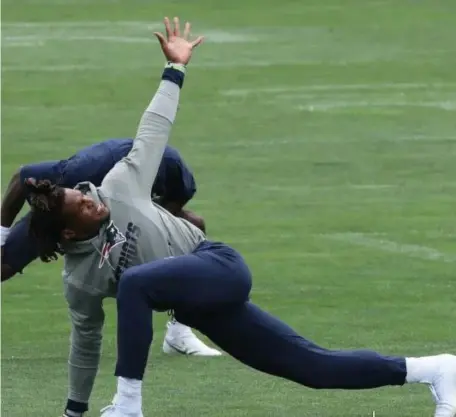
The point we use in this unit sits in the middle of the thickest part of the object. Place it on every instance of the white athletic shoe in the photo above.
(443, 386)
(114, 411)
(180, 339)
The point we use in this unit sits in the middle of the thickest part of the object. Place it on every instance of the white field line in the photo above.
(251, 143)
(55, 68)
(323, 107)
(159, 24)
(423, 138)
(82, 24)
(79, 68)
(308, 188)
(22, 44)
(333, 87)
(293, 189)
(307, 7)
(414, 251)
(433, 234)
(75, 38)
(210, 37)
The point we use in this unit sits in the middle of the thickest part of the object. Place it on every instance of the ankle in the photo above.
(129, 388)
(423, 369)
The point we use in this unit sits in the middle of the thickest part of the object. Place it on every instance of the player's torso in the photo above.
(136, 233)
(141, 232)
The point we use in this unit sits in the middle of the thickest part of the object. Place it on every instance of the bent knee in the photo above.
(130, 281)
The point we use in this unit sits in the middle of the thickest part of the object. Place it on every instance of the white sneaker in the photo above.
(180, 339)
(443, 387)
(114, 411)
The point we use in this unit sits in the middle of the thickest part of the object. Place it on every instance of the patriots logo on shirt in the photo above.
(114, 237)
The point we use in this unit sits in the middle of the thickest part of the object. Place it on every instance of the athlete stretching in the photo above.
(165, 263)
(173, 187)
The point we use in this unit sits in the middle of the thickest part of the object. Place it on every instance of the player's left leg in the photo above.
(263, 342)
(209, 292)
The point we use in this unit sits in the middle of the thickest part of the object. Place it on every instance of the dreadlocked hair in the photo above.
(46, 221)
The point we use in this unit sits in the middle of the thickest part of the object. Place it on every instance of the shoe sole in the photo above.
(170, 349)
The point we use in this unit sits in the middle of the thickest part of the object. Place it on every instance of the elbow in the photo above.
(17, 174)
(16, 179)
(194, 219)
(200, 223)
(17, 185)
(13, 199)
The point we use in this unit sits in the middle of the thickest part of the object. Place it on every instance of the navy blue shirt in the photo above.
(174, 181)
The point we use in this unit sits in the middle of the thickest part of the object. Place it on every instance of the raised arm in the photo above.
(134, 175)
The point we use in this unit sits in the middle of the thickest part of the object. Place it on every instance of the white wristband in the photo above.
(4, 232)
(179, 67)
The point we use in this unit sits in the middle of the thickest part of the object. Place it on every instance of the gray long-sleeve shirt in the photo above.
(137, 231)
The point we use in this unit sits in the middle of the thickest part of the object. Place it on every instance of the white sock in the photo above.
(422, 370)
(129, 394)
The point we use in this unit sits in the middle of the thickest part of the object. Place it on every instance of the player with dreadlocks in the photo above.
(173, 187)
(47, 222)
(119, 243)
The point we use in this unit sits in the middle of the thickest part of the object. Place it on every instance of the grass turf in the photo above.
(322, 136)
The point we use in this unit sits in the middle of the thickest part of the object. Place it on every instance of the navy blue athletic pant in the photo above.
(209, 291)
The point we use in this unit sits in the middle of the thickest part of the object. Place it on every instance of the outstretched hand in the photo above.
(176, 48)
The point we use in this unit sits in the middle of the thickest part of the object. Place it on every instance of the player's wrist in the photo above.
(175, 73)
(4, 233)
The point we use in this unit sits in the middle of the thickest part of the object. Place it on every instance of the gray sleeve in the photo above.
(134, 175)
(87, 318)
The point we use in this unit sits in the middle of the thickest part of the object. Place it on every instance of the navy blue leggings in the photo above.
(209, 291)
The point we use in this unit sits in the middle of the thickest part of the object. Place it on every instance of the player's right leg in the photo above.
(213, 277)
(19, 249)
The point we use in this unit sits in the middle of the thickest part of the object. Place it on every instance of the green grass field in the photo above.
(323, 138)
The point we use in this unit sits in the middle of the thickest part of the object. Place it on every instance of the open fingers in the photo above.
(160, 38)
(187, 30)
(169, 32)
(197, 41)
(176, 27)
